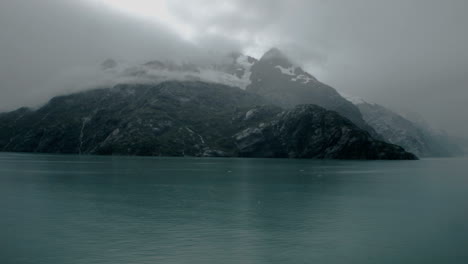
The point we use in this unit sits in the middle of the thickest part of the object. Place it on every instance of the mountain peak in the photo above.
(276, 57)
(274, 53)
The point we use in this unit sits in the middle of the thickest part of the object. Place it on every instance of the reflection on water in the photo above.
(72, 209)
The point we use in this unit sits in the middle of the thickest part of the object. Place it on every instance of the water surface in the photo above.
(73, 209)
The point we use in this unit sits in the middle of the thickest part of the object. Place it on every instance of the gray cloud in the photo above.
(408, 55)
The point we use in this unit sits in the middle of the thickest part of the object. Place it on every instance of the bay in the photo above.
(92, 209)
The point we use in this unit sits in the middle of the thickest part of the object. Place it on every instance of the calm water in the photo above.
(70, 209)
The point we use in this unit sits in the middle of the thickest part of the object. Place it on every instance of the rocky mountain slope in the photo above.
(310, 131)
(186, 119)
(281, 82)
(413, 137)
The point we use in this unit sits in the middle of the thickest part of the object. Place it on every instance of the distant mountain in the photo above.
(463, 144)
(186, 119)
(413, 136)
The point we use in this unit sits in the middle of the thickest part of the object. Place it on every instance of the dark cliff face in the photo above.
(309, 131)
(182, 119)
(282, 83)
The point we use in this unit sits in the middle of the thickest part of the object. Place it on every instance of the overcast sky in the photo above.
(410, 55)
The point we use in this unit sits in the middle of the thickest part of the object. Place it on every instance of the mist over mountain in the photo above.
(274, 76)
(414, 136)
(390, 52)
(238, 107)
(281, 82)
(278, 81)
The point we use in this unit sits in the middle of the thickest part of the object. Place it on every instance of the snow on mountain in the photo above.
(298, 75)
(236, 72)
(303, 78)
(288, 71)
(245, 64)
(284, 83)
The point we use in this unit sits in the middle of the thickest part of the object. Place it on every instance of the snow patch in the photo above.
(298, 75)
(302, 78)
(353, 99)
(243, 61)
(288, 71)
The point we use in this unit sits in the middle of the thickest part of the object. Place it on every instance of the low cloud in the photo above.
(403, 54)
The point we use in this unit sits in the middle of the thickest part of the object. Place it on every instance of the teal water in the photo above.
(72, 209)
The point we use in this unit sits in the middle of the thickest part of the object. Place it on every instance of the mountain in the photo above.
(186, 119)
(274, 77)
(413, 136)
(281, 82)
